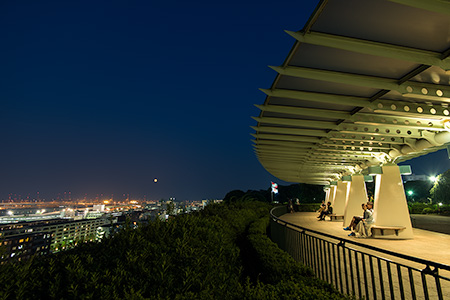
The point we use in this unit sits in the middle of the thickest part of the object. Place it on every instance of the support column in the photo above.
(332, 195)
(327, 194)
(390, 206)
(356, 195)
(339, 200)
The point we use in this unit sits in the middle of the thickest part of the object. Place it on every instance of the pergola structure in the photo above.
(367, 83)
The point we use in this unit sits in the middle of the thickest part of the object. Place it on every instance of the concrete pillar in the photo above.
(356, 195)
(390, 206)
(327, 195)
(340, 197)
(332, 195)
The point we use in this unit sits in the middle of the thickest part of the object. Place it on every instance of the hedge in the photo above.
(284, 278)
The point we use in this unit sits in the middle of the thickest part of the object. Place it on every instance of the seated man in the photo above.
(356, 219)
(326, 212)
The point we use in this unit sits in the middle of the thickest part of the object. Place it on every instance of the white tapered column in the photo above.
(356, 195)
(339, 199)
(327, 195)
(390, 206)
(332, 195)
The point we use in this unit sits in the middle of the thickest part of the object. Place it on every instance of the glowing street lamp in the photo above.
(410, 193)
(433, 178)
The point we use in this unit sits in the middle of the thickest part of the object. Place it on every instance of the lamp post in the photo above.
(410, 194)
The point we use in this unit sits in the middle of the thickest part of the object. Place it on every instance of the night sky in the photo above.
(101, 97)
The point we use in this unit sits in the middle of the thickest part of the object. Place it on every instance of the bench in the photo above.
(334, 216)
(376, 228)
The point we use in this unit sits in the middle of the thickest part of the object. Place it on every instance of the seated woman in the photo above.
(326, 212)
(356, 219)
(321, 208)
(363, 227)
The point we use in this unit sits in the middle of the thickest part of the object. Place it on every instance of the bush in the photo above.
(280, 276)
(444, 210)
(428, 210)
(418, 207)
(260, 226)
(308, 207)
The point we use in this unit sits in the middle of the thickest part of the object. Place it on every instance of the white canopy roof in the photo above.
(366, 83)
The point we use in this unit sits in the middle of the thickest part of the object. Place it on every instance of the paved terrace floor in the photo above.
(426, 244)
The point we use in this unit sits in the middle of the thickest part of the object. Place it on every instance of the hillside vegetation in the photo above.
(222, 252)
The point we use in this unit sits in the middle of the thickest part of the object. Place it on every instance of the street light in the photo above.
(410, 193)
(433, 178)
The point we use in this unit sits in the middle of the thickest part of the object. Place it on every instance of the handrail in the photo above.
(343, 240)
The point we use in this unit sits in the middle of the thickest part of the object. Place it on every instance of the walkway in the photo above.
(432, 222)
(426, 245)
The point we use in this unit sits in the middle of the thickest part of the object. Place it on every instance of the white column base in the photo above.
(341, 196)
(356, 195)
(390, 206)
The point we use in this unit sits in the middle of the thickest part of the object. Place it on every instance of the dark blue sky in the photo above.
(103, 96)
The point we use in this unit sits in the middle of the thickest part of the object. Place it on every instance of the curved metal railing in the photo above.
(365, 272)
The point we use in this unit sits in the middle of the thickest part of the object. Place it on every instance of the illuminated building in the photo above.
(23, 246)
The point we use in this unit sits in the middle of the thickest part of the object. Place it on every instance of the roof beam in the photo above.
(282, 137)
(386, 131)
(373, 48)
(406, 88)
(349, 151)
(283, 144)
(396, 141)
(275, 153)
(403, 109)
(338, 77)
(390, 120)
(293, 131)
(438, 6)
(317, 97)
(336, 135)
(303, 111)
(296, 122)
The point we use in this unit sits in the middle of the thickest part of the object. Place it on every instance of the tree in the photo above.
(418, 190)
(441, 190)
(233, 196)
(170, 208)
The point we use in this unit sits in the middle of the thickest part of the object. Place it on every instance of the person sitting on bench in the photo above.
(326, 212)
(356, 219)
(363, 227)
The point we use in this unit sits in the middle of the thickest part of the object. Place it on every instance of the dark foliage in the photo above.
(441, 189)
(420, 190)
(233, 196)
(197, 256)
